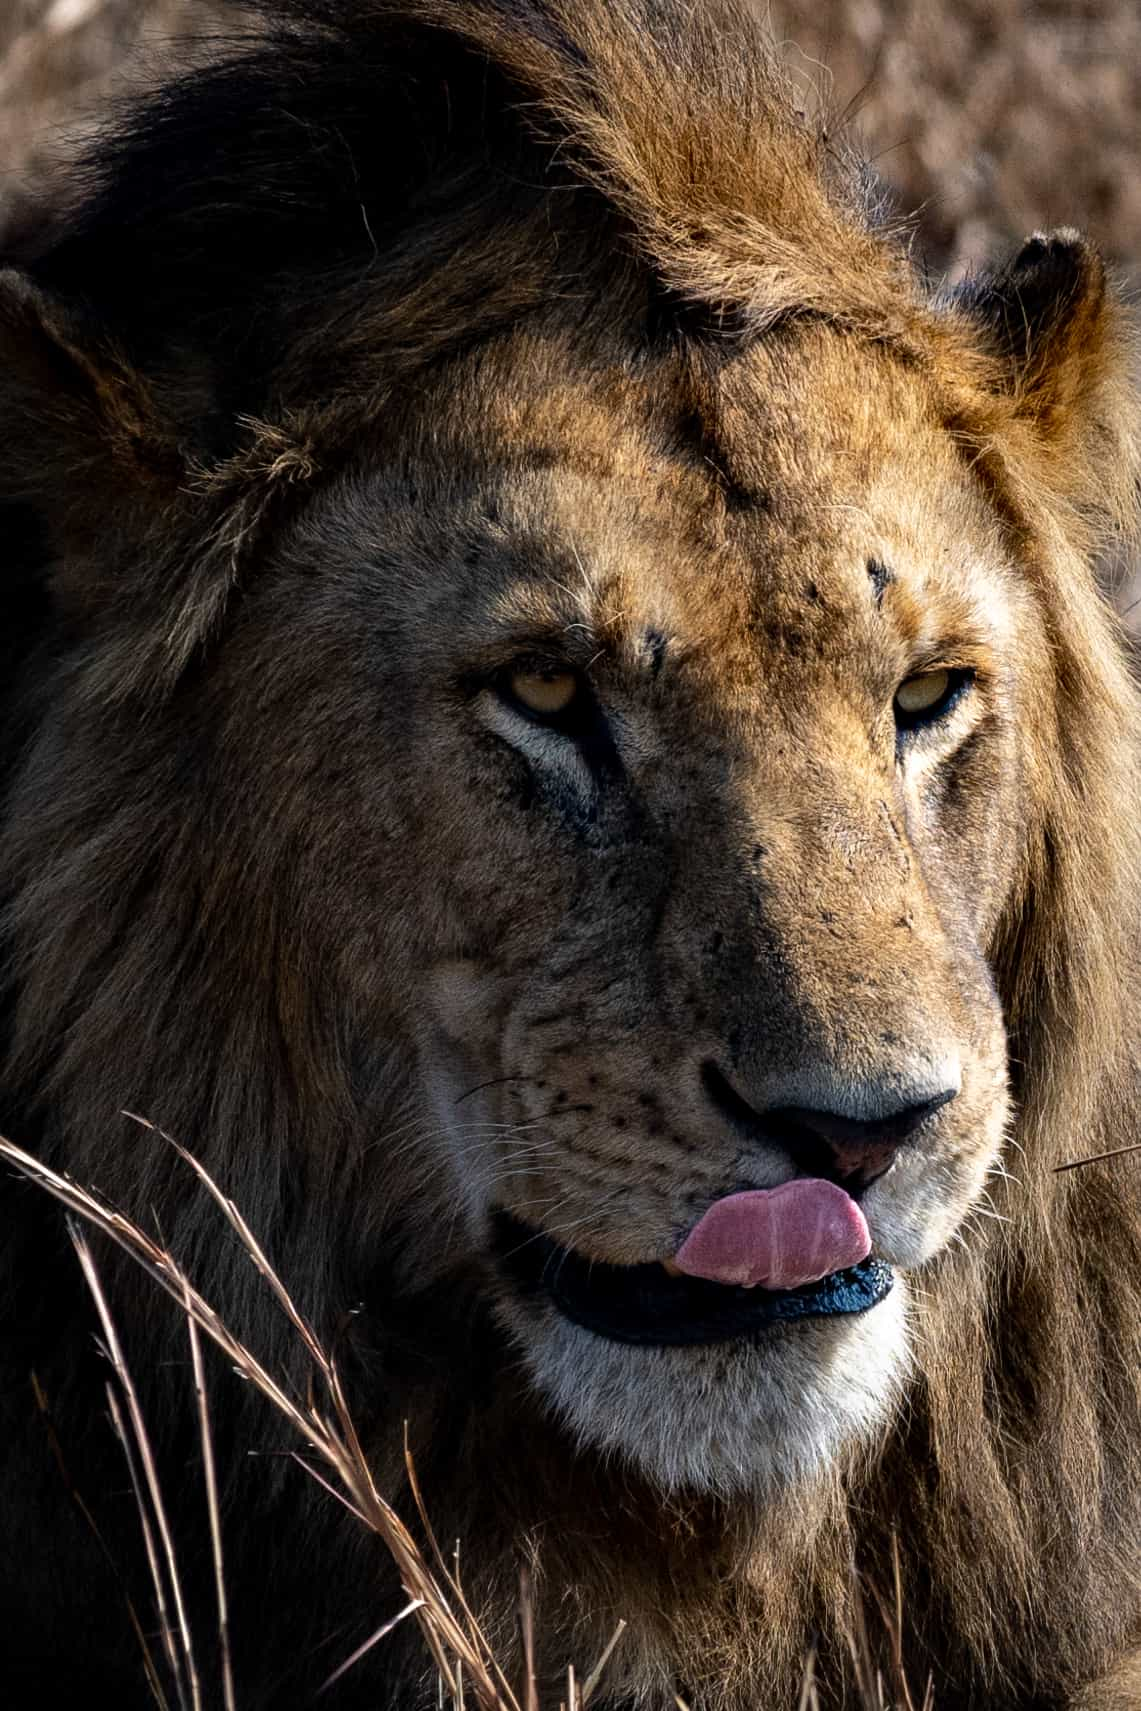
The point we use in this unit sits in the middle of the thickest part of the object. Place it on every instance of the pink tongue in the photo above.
(780, 1237)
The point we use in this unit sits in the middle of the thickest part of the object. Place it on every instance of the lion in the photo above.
(562, 736)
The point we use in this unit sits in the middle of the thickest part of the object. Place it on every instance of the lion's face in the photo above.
(681, 797)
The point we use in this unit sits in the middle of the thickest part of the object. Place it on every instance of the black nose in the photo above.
(848, 1150)
(853, 1151)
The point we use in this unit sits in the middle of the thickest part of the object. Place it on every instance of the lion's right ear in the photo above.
(82, 448)
(104, 510)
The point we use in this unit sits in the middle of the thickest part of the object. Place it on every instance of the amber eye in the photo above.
(920, 694)
(928, 697)
(546, 694)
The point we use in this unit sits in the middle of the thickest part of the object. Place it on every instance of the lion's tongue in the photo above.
(780, 1237)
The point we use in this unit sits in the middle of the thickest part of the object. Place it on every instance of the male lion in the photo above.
(561, 736)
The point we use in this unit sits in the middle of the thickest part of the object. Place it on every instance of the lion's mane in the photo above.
(355, 195)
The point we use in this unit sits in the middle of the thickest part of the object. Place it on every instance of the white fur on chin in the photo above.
(730, 1418)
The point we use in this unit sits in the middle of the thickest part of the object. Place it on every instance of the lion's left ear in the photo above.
(1063, 354)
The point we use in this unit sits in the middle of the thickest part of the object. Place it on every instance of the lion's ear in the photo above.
(1061, 352)
(81, 441)
(103, 510)
(86, 465)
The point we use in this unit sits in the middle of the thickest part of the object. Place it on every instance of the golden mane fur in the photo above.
(371, 231)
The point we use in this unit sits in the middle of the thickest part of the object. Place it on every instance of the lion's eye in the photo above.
(928, 696)
(546, 694)
(920, 694)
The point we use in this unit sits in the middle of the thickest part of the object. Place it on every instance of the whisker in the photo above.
(496, 1081)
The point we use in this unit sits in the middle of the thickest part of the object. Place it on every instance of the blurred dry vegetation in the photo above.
(987, 118)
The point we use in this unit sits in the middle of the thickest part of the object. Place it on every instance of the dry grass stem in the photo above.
(595, 1675)
(149, 1668)
(895, 1628)
(331, 1489)
(447, 1638)
(809, 1700)
(451, 1638)
(373, 1639)
(460, 1651)
(527, 1639)
(165, 1627)
(211, 1480)
(1098, 1158)
(475, 1632)
(186, 1673)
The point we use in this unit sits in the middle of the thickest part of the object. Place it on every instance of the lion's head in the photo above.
(722, 760)
(564, 694)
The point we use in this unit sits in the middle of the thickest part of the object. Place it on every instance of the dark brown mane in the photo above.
(269, 258)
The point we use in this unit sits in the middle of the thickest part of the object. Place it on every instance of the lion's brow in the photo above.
(654, 645)
(880, 576)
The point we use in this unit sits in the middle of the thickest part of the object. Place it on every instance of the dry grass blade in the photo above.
(446, 1635)
(895, 1627)
(871, 1688)
(458, 1646)
(165, 1627)
(373, 1639)
(860, 1650)
(452, 1579)
(595, 1675)
(211, 1480)
(187, 1675)
(331, 1489)
(488, 1678)
(421, 1509)
(527, 1639)
(809, 1700)
(245, 1234)
(149, 1669)
(1097, 1158)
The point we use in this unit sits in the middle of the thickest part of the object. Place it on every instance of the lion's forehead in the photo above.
(799, 501)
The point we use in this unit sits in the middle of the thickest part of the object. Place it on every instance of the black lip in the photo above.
(645, 1304)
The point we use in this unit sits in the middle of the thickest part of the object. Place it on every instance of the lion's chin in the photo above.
(741, 1397)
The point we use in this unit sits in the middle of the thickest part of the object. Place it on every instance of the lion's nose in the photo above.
(852, 1151)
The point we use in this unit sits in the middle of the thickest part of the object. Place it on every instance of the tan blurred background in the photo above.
(988, 118)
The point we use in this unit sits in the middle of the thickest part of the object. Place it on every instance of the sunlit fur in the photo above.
(422, 345)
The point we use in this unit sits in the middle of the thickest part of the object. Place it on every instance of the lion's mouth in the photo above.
(648, 1305)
